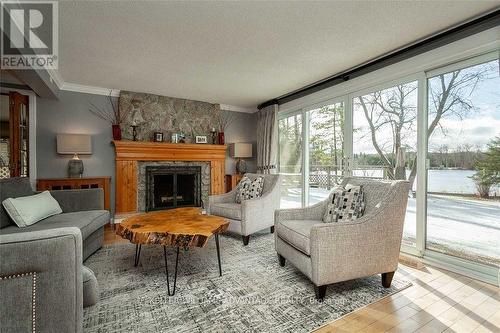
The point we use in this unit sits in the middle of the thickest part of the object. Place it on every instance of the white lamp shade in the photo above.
(74, 144)
(240, 150)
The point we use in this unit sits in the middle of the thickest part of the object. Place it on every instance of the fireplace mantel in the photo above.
(128, 153)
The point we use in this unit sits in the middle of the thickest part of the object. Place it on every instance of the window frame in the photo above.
(489, 274)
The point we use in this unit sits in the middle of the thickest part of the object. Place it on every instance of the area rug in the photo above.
(254, 294)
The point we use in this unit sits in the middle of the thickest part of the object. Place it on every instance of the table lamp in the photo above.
(74, 144)
(240, 151)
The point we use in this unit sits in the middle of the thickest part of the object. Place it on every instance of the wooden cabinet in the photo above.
(53, 184)
(232, 181)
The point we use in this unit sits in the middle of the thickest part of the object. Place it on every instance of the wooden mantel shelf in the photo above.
(162, 151)
(128, 153)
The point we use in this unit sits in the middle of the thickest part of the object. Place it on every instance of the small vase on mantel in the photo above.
(117, 132)
(221, 138)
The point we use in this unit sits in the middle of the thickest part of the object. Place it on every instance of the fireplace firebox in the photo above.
(170, 187)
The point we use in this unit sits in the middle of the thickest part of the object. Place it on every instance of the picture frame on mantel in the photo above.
(201, 139)
(158, 137)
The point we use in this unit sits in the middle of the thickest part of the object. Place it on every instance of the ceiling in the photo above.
(237, 53)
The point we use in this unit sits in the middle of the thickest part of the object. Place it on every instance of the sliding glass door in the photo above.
(463, 206)
(290, 160)
(385, 141)
(326, 150)
(311, 153)
(439, 130)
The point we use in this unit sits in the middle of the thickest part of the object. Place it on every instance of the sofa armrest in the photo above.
(229, 197)
(314, 212)
(79, 200)
(44, 266)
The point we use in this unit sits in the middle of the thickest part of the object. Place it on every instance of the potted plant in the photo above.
(111, 115)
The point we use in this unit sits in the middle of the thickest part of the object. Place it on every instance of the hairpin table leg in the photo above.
(171, 293)
(137, 254)
(218, 253)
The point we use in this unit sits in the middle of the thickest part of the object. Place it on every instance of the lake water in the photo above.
(443, 181)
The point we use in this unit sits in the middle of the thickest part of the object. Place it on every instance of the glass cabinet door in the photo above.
(19, 135)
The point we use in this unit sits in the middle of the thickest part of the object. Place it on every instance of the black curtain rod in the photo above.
(467, 29)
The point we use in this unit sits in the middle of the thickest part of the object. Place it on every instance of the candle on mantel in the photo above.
(134, 123)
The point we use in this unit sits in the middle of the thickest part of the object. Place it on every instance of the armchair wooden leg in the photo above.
(320, 292)
(387, 279)
(272, 229)
(282, 260)
(245, 239)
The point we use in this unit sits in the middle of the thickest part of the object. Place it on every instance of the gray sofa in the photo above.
(251, 215)
(43, 283)
(333, 252)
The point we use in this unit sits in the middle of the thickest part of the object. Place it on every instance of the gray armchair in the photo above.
(41, 281)
(251, 215)
(333, 252)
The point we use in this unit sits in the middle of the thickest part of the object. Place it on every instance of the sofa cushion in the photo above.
(12, 188)
(28, 210)
(86, 221)
(229, 210)
(296, 233)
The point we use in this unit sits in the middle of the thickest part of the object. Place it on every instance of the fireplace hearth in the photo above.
(172, 186)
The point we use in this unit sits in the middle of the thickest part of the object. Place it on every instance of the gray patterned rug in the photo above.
(254, 294)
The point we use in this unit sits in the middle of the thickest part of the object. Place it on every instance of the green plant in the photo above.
(488, 169)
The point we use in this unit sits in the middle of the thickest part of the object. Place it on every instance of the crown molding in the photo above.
(235, 108)
(67, 86)
(90, 89)
(55, 77)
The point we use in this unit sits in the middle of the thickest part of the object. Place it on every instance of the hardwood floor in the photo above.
(110, 237)
(438, 301)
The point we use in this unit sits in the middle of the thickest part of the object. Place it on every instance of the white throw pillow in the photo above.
(25, 211)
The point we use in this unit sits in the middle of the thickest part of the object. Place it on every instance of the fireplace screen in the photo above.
(169, 187)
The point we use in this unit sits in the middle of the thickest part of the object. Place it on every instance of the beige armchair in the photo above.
(333, 252)
(251, 215)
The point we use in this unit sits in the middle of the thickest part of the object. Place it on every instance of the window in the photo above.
(463, 218)
(452, 217)
(290, 160)
(326, 150)
(385, 141)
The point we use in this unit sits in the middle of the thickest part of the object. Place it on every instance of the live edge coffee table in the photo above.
(179, 227)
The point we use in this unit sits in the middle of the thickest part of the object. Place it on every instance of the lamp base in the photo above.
(241, 166)
(75, 168)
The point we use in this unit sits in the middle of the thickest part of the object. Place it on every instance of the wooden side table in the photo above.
(53, 184)
(232, 181)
